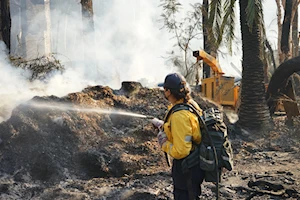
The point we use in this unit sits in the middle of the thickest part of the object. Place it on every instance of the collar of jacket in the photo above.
(177, 102)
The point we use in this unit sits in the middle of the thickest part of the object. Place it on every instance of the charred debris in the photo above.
(49, 153)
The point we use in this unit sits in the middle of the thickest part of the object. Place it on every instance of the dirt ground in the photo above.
(64, 148)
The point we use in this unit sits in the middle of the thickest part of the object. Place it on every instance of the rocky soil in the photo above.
(64, 148)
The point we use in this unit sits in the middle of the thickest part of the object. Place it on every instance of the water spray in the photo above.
(69, 107)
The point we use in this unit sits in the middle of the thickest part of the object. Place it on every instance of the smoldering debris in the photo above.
(68, 154)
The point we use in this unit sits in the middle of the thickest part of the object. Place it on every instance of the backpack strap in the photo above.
(204, 131)
(175, 108)
(185, 106)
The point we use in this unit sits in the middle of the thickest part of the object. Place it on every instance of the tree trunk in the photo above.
(88, 33)
(5, 22)
(271, 54)
(295, 34)
(279, 24)
(47, 32)
(253, 112)
(24, 27)
(205, 9)
(87, 15)
(286, 27)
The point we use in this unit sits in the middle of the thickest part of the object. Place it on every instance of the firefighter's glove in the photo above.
(162, 138)
(157, 123)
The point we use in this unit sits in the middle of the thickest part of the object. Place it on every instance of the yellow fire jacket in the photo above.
(181, 129)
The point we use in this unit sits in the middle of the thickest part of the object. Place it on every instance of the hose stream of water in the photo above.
(72, 107)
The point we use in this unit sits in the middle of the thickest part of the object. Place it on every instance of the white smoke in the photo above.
(128, 45)
(14, 87)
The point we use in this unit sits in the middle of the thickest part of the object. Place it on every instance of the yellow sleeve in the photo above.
(182, 132)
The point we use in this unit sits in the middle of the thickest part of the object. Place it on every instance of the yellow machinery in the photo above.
(218, 87)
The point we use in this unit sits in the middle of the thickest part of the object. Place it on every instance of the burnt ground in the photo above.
(56, 151)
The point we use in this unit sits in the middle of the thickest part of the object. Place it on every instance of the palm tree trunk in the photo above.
(5, 22)
(253, 112)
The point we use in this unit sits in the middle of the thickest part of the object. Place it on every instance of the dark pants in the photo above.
(180, 181)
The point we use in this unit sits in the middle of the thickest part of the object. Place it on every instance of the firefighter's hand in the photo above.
(162, 138)
(157, 123)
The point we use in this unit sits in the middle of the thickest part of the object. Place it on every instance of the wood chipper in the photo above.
(219, 88)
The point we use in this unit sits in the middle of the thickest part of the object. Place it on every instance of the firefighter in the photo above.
(177, 135)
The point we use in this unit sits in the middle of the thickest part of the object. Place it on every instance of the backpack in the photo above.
(214, 151)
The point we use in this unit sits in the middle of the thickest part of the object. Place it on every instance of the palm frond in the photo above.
(260, 18)
(215, 11)
(214, 21)
(251, 13)
(229, 19)
(228, 24)
(255, 19)
(254, 13)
